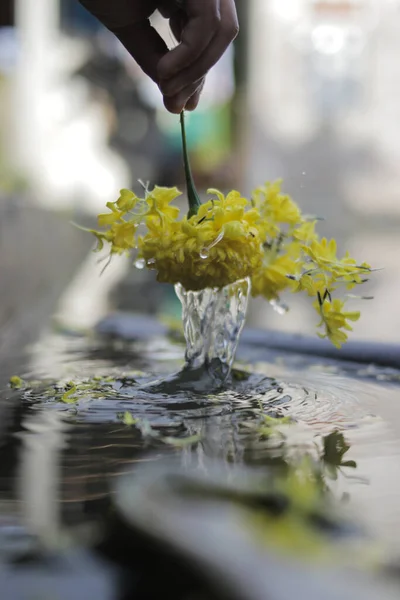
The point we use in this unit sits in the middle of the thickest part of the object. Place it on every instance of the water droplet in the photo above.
(280, 308)
(140, 263)
(204, 252)
(217, 240)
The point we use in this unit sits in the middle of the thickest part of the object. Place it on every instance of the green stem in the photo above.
(193, 197)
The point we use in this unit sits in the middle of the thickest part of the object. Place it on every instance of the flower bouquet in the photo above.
(225, 249)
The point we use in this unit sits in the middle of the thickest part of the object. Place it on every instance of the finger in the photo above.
(168, 8)
(145, 45)
(128, 21)
(203, 21)
(119, 13)
(177, 23)
(188, 96)
(217, 47)
(193, 102)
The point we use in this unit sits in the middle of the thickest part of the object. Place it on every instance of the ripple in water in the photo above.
(94, 443)
(318, 401)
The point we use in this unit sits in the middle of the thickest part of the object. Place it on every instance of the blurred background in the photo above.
(309, 93)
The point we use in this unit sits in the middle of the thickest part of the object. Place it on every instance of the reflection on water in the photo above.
(71, 435)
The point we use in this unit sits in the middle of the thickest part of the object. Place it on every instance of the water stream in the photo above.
(212, 323)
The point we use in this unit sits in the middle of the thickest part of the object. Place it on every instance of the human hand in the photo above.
(203, 28)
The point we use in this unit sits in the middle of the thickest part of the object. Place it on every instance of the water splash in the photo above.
(140, 263)
(279, 307)
(213, 321)
(205, 252)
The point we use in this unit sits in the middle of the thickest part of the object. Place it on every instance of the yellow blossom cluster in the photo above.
(265, 238)
(218, 246)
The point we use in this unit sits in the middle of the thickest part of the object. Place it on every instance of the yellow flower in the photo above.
(122, 222)
(122, 237)
(233, 200)
(16, 382)
(159, 201)
(274, 206)
(312, 285)
(108, 218)
(272, 277)
(305, 232)
(127, 201)
(334, 319)
(230, 239)
(323, 255)
(214, 248)
(352, 273)
(111, 217)
(322, 252)
(293, 248)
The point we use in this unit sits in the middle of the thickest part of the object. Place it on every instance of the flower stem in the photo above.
(193, 197)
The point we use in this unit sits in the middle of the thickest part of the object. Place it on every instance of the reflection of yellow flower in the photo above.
(334, 319)
(216, 247)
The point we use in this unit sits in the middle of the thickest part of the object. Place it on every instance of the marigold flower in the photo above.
(159, 201)
(229, 238)
(217, 246)
(322, 252)
(272, 277)
(305, 232)
(323, 255)
(275, 207)
(312, 285)
(334, 319)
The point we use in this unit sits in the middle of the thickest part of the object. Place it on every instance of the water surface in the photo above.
(59, 460)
